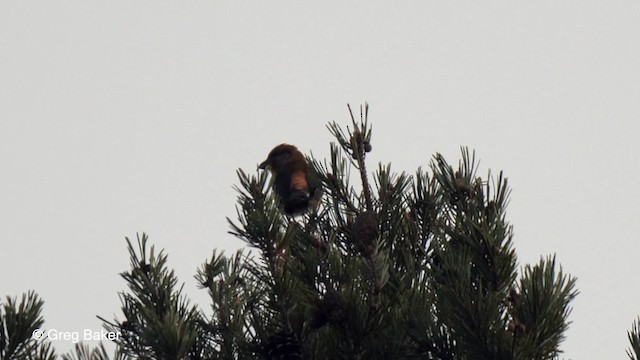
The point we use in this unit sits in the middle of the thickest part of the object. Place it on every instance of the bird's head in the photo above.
(283, 156)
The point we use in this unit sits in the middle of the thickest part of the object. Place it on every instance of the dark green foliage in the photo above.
(411, 267)
(399, 266)
(18, 322)
(540, 310)
(159, 322)
(634, 339)
(84, 352)
(236, 296)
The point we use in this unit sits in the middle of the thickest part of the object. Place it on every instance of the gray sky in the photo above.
(120, 117)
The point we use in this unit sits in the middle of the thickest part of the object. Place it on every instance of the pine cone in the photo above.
(334, 307)
(356, 137)
(365, 231)
(283, 345)
(331, 309)
(317, 318)
(333, 180)
(516, 327)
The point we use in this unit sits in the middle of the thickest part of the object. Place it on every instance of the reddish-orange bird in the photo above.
(294, 182)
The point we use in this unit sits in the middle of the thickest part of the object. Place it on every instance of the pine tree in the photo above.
(398, 266)
(407, 267)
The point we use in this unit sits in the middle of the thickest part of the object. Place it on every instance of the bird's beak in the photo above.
(264, 164)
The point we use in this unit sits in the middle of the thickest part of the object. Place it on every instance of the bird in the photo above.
(295, 182)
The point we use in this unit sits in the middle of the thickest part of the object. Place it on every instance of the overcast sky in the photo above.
(119, 117)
